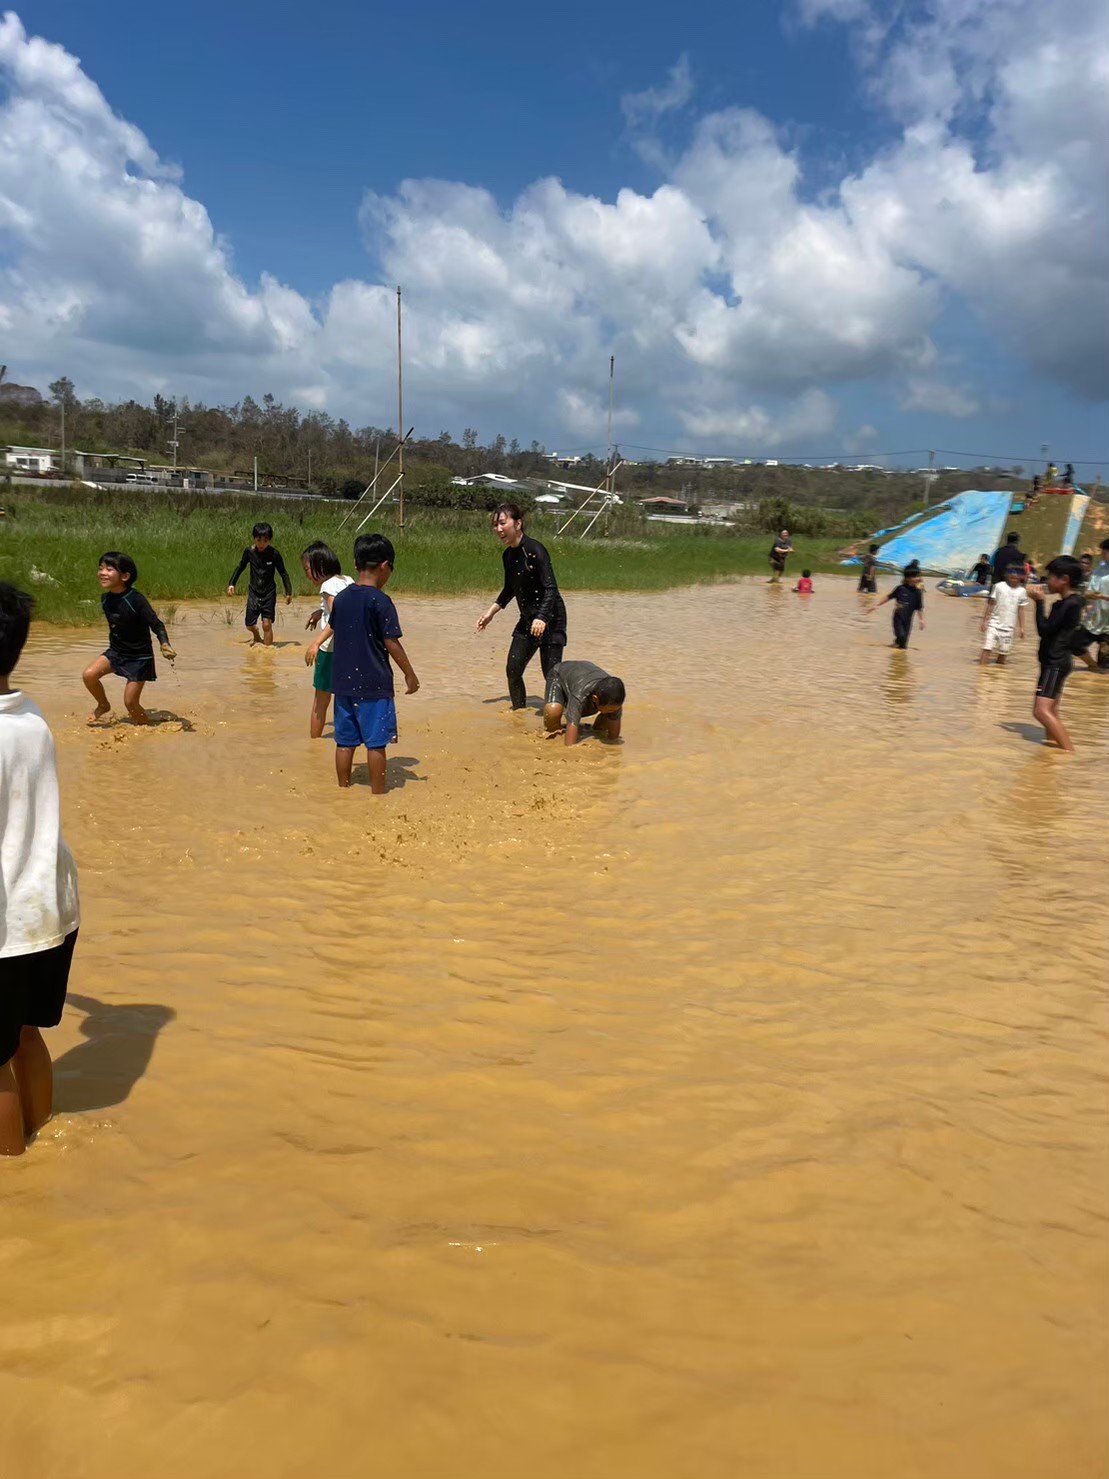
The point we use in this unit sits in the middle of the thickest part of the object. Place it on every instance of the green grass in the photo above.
(186, 547)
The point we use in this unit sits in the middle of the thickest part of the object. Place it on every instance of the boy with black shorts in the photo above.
(1057, 631)
(39, 914)
(130, 654)
(868, 582)
(780, 552)
(366, 635)
(261, 598)
(577, 690)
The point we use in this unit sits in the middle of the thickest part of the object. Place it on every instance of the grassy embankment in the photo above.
(186, 547)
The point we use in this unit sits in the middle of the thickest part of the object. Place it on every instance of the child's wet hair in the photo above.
(321, 560)
(610, 691)
(262, 531)
(873, 549)
(1065, 567)
(372, 550)
(127, 568)
(15, 622)
(513, 510)
(806, 574)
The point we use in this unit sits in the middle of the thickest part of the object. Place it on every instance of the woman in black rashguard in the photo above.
(529, 579)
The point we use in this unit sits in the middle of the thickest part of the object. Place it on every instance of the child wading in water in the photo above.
(38, 895)
(804, 586)
(909, 599)
(1003, 615)
(867, 582)
(266, 565)
(1057, 634)
(367, 634)
(130, 653)
(321, 565)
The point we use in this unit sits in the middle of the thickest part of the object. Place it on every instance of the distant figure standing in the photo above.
(265, 565)
(868, 578)
(1068, 475)
(908, 599)
(780, 552)
(1051, 474)
(1095, 613)
(529, 580)
(1010, 553)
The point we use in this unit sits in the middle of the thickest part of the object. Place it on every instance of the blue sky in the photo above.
(801, 228)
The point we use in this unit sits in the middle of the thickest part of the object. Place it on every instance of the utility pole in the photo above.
(256, 474)
(63, 434)
(929, 478)
(309, 469)
(611, 482)
(174, 443)
(400, 414)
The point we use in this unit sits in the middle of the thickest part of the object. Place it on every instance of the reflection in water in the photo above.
(728, 1104)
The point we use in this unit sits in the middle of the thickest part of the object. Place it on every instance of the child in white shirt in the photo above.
(1004, 614)
(322, 567)
(38, 895)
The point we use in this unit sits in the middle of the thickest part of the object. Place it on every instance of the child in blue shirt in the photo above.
(366, 636)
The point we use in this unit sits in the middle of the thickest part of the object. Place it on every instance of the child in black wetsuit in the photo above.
(909, 599)
(1057, 631)
(981, 572)
(130, 653)
(266, 565)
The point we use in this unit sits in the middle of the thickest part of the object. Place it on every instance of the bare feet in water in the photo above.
(97, 714)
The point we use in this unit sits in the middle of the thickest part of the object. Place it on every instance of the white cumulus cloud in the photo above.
(738, 302)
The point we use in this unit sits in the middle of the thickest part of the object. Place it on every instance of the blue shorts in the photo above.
(365, 721)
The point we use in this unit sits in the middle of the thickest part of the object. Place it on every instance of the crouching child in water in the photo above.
(909, 599)
(130, 653)
(577, 690)
(38, 895)
(366, 635)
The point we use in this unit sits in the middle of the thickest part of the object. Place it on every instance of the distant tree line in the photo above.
(326, 453)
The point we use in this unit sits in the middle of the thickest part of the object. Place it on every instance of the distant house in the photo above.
(718, 462)
(685, 462)
(492, 480)
(564, 462)
(660, 504)
(32, 459)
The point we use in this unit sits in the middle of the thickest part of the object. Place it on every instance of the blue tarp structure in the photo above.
(950, 538)
(1079, 503)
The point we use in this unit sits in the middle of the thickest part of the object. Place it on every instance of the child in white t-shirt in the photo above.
(1004, 614)
(321, 565)
(38, 895)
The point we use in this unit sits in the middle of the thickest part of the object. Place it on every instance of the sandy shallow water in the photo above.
(731, 1103)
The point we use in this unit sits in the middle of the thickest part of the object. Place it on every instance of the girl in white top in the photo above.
(1004, 614)
(321, 565)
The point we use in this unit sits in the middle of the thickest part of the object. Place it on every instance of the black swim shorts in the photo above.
(260, 608)
(134, 669)
(32, 992)
(1053, 677)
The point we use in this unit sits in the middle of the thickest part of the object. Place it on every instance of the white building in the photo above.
(32, 459)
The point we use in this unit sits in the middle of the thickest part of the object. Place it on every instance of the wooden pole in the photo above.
(400, 413)
(611, 399)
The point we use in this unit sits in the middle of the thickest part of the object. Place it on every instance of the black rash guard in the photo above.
(530, 579)
(131, 619)
(263, 565)
(1057, 629)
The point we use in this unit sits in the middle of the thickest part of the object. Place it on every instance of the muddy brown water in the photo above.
(730, 1103)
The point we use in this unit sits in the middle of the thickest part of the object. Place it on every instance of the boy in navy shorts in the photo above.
(38, 895)
(130, 654)
(266, 565)
(366, 635)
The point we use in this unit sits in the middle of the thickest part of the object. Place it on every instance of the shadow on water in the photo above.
(158, 717)
(503, 698)
(1030, 732)
(399, 770)
(102, 1071)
